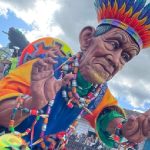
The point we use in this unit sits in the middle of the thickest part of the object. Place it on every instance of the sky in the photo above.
(64, 19)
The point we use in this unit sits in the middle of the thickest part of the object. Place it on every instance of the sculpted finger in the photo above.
(34, 69)
(134, 132)
(50, 61)
(137, 137)
(66, 79)
(130, 127)
(42, 66)
(147, 113)
(146, 127)
(36, 66)
(51, 53)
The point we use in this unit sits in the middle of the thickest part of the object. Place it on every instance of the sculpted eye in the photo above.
(126, 56)
(115, 44)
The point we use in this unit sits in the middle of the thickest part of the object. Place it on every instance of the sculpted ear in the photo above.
(85, 37)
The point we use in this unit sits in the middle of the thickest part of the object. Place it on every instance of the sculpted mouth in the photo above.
(102, 68)
(105, 68)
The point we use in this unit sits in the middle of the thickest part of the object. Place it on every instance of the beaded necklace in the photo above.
(71, 97)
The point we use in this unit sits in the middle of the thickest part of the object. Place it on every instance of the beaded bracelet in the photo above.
(19, 107)
(117, 139)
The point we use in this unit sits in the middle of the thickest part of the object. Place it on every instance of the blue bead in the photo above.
(117, 132)
(26, 110)
(136, 147)
(116, 145)
(40, 111)
(15, 110)
(130, 148)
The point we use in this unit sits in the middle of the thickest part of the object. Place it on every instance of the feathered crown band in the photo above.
(130, 15)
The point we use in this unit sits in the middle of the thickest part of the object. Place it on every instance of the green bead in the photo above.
(38, 117)
(11, 129)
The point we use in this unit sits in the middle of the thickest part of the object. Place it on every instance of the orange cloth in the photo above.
(107, 101)
(17, 81)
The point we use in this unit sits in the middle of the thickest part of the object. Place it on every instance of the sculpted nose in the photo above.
(111, 61)
(114, 59)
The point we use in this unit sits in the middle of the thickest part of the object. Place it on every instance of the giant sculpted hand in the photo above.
(137, 128)
(44, 85)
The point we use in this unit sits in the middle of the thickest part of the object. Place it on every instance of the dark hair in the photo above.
(102, 29)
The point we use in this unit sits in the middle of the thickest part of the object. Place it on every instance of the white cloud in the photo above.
(1, 46)
(137, 110)
(134, 81)
(3, 10)
(53, 31)
(39, 14)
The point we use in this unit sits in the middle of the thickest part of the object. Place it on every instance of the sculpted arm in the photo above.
(43, 87)
(6, 108)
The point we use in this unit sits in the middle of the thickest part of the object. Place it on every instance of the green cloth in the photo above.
(102, 124)
(84, 86)
(14, 62)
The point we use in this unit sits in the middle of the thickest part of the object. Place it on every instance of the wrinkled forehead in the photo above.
(120, 35)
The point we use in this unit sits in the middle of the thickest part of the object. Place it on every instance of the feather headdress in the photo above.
(130, 15)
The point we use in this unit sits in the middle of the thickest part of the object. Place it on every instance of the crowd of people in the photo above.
(85, 141)
(7, 64)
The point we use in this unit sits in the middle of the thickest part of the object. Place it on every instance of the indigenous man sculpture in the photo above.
(66, 89)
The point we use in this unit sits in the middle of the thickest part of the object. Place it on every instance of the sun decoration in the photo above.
(12, 141)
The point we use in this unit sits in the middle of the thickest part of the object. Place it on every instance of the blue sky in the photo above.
(123, 102)
(10, 21)
(62, 20)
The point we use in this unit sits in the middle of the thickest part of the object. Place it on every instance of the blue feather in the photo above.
(105, 2)
(100, 3)
(145, 12)
(147, 21)
(120, 3)
(129, 4)
(148, 18)
(138, 5)
(112, 2)
(96, 4)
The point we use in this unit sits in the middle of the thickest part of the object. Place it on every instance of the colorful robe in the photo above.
(18, 81)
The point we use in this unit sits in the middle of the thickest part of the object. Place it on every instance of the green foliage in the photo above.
(17, 38)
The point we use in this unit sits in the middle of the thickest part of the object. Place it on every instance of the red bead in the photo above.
(34, 112)
(60, 135)
(119, 125)
(28, 130)
(116, 138)
(90, 95)
(70, 105)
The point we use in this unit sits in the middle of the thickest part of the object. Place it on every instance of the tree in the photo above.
(17, 39)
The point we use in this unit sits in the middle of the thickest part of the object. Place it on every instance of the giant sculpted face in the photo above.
(104, 55)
